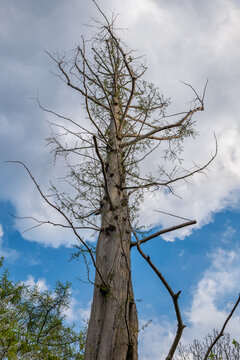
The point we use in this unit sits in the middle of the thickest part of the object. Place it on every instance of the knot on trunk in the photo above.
(109, 229)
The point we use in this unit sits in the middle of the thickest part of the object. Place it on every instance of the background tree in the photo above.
(225, 349)
(33, 324)
(127, 121)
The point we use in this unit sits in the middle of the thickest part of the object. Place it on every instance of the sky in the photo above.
(183, 41)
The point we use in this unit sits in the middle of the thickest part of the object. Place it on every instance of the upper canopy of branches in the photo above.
(125, 114)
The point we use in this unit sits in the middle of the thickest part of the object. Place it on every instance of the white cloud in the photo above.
(78, 313)
(228, 233)
(190, 42)
(215, 294)
(1, 231)
(194, 55)
(5, 251)
(40, 283)
(154, 340)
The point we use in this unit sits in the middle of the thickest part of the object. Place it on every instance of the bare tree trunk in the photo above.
(113, 326)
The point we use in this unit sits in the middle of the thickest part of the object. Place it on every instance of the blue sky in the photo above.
(185, 263)
(189, 41)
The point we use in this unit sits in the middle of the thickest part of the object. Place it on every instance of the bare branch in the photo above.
(62, 117)
(173, 215)
(70, 84)
(100, 84)
(101, 12)
(63, 214)
(141, 121)
(162, 128)
(171, 181)
(130, 71)
(49, 222)
(164, 231)
(87, 98)
(174, 297)
(162, 138)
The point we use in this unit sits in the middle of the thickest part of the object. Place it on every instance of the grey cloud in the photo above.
(187, 40)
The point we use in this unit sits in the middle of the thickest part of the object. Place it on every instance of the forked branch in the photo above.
(162, 128)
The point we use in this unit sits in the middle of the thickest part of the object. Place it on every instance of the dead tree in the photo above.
(127, 121)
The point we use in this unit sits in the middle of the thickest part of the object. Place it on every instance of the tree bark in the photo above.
(113, 327)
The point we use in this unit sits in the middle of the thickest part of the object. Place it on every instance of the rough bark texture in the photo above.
(113, 326)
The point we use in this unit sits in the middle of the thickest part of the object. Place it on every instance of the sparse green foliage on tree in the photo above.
(236, 344)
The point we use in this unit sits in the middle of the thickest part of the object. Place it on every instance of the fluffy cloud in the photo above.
(78, 313)
(215, 294)
(193, 47)
(154, 340)
(40, 283)
(190, 42)
(5, 251)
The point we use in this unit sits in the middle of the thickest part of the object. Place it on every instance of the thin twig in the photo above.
(63, 214)
(222, 330)
(176, 216)
(169, 182)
